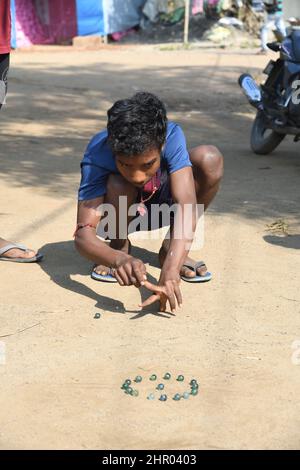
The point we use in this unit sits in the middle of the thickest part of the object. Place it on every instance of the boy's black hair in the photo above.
(137, 124)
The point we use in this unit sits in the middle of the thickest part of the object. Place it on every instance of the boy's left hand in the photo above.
(167, 291)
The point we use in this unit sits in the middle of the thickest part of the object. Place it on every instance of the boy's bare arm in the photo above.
(184, 194)
(129, 270)
(86, 241)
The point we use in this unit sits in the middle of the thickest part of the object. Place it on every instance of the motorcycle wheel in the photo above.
(264, 140)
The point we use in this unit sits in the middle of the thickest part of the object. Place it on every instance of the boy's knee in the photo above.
(212, 163)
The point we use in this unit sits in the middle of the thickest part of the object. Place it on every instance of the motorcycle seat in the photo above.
(296, 44)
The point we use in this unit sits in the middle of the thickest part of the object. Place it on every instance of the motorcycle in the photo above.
(277, 101)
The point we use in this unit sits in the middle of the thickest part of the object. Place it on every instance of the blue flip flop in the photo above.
(193, 267)
(109, 277)
(103, 277)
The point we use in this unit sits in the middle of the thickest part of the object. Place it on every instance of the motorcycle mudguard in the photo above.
(269, 68)
(275, 73)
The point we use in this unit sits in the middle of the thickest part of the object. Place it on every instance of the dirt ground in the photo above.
(60, 384)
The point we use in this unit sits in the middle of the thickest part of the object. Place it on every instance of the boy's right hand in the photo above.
(130, 271)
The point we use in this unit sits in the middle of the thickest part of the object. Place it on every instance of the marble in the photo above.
(163, 398)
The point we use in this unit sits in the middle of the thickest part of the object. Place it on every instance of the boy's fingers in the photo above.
(163, 303)
(123, 275)
(150, 301)
(130, 274)
(140, 274)
(178, 295)
(119, 279)
(152, 287)
(172, 301)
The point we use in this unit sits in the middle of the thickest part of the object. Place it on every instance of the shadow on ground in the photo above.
(290, 241)
(61, 262)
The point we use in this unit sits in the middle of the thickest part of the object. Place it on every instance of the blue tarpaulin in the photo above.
(13, 24)
(107, 16)
(120, 15)
(90, 17)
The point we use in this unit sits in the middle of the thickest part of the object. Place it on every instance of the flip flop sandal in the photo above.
(103, 277)
(35, 259)
(193, 267)
(109, 277)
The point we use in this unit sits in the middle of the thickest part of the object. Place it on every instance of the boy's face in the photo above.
(139, 169)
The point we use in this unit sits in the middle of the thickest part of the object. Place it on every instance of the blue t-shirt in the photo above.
(99, 162)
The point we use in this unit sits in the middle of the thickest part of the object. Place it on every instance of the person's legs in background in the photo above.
(8, 250)
(279, 24)
(269, 24)
(4, 66)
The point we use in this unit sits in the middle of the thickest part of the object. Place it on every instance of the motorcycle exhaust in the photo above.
(252, 90)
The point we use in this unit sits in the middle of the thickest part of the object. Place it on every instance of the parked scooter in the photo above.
(277, 101)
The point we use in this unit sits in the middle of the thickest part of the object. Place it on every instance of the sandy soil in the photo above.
(60, 386)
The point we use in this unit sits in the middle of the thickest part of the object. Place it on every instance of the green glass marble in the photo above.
(135, 393)
(194, 386)
(194, 391)
(138, 379)
(128, 382)
(160, 387)
(177, 397)
(167, 376)
(186, 395)
(163, 398)
(151, 396)
(153, 377)
(180, 378)
(129, 391)
(193, 382)
(97, 316)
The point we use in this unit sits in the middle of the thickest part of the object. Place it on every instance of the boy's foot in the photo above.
(120, 245)
(15, 253)
(185, 271)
